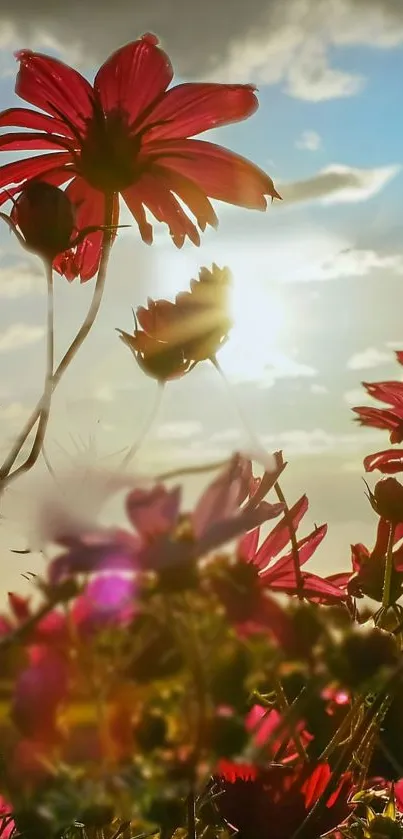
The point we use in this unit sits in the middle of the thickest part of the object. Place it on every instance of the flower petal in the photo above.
(89, 206)
(222, 497)
(279, 537)
(218, 172)
(306, 548)
(133, 77)
(153, 512)
(379, 418)
(135, 205)
(31, 167)
(388, 462)
(25, 118)
(165, 207)
(54, 87)
(390, 392)
(18, 140)
(190, 194)
(191, 108)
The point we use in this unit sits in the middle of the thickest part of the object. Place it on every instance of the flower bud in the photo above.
(45, 217)
(387, 500)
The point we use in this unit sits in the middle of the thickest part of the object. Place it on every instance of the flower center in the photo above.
(108, 158)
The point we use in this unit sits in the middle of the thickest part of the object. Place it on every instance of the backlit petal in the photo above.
(18, 141)
(135, 205)
(133, 77)
(25, 118)
(32, 167)
(165, 207)
(54, 87)
(220, 173)
(388, 462)
(189, 109)
(279, 537)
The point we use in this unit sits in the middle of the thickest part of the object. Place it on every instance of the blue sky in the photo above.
(317, 279)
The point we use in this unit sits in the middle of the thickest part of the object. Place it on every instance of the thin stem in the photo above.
(191, 815)
(147, 426)
(191, 470)
(244, 422)
(48, 386)
(79, 339)
(388, 568)
(293, 539)
(284, 706)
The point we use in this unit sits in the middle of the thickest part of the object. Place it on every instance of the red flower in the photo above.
(129, 134)
(273, 803)
(176, 336)
(390, 418)
(277, 573)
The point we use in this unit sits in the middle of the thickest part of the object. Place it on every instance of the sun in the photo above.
(260, 330)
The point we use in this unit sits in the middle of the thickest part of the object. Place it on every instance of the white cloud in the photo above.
(371, 357)
(311, 78)
(19, 280)
(358, 262)
(337, 184)
(318, 389)
(179, 430)
(20, 335)
(318, 441)
(309, 141)
(357, 396)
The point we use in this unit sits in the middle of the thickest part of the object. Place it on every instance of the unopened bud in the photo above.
(45, 217)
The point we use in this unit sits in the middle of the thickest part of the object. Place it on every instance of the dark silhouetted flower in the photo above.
(129, 134)
(369, 566)
(387, 500)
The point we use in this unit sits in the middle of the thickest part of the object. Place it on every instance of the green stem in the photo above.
(5, 470)
(388, 568)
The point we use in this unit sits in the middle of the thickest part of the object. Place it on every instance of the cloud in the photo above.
(311, 78)
(263, 40)
(19, 280)
(318, 441)
(338, 184)
(318, 389)
(358, 262)
(368, 358)
(309, 141)
(20, 335)
(357, 396)
(179, 430)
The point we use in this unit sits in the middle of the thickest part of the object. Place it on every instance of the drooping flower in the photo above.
(176, 336)
(389, 461)
(273, 803)
(129, 134)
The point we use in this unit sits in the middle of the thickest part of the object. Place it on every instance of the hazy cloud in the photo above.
(358, 262)
(262, 40)
(309, 141)
(338, 184)
(368, 358)
(19, 280)
(20, 335)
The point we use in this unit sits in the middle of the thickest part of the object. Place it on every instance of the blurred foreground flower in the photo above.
(176, 336)
(274, 802)
(128, 134)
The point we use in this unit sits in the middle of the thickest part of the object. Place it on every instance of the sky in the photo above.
(317, 278)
